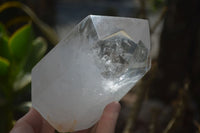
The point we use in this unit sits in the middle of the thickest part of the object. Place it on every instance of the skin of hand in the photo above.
(33, 122)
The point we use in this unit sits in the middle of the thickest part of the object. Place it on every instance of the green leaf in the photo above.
(20, 42)
(4, 49)
(22, 80)
(4, 65)
(39, 47)
(2, 30)
(48, 31)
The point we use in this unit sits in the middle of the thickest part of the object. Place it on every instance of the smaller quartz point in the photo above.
(98, 62)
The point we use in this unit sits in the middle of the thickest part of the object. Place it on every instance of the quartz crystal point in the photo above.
(98, 62)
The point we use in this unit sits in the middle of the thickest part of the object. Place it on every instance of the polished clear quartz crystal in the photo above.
(98, 62)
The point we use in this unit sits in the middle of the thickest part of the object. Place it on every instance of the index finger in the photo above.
(32, 122)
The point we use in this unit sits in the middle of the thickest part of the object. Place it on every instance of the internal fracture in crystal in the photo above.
(117, 53)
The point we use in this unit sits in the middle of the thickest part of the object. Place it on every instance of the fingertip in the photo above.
(113, 107)
(109, 118)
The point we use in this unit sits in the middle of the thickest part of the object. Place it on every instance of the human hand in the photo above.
(33, 122)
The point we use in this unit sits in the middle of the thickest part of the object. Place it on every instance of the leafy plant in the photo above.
(19, 52)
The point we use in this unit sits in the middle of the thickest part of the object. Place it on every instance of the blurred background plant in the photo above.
(20, 50)
(166, 100)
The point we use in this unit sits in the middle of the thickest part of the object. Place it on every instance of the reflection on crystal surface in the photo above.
(98, 62)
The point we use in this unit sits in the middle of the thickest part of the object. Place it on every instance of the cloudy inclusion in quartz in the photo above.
(98, 62)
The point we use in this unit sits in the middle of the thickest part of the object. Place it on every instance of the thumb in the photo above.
(109, 118)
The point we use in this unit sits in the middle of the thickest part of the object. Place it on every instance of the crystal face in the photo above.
(98, 62)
